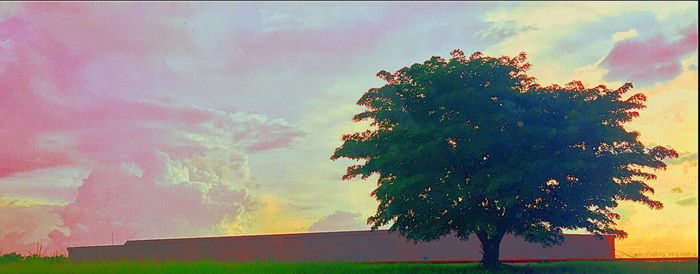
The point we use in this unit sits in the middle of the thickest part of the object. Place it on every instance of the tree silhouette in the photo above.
(474, 146)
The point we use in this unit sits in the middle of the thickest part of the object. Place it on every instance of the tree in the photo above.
(474, 146)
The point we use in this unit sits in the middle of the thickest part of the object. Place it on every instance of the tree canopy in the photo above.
(474, 146)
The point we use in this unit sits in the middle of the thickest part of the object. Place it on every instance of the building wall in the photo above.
(356, 246)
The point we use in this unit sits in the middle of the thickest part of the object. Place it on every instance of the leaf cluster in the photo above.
(475, 145)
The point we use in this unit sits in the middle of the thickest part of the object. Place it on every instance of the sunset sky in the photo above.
(155, 120)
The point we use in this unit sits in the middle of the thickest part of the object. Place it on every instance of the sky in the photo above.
(153, 120)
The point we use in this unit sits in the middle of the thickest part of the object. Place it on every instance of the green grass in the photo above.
(63, 266)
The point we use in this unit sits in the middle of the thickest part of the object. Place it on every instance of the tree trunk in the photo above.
(490, 247)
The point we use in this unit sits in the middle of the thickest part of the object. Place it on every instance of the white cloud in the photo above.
(340, 221)
(624, 35)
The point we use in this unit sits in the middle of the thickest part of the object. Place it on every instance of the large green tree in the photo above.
(474, 146)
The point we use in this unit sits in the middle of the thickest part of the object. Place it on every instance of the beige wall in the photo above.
(358, 246)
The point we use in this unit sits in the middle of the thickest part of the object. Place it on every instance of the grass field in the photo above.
(63, 266)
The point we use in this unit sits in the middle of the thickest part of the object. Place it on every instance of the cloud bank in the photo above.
(340, 221)
(71, 76)
(652, 59)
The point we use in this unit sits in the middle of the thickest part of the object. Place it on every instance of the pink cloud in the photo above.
(75, 83)
(23, 227)
(648, 60)
(113, 202)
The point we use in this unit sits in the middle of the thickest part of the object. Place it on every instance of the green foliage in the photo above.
(11, 258)
(474, 146)
(18, 258)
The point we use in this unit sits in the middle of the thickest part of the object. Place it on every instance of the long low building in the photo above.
(353, 246)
